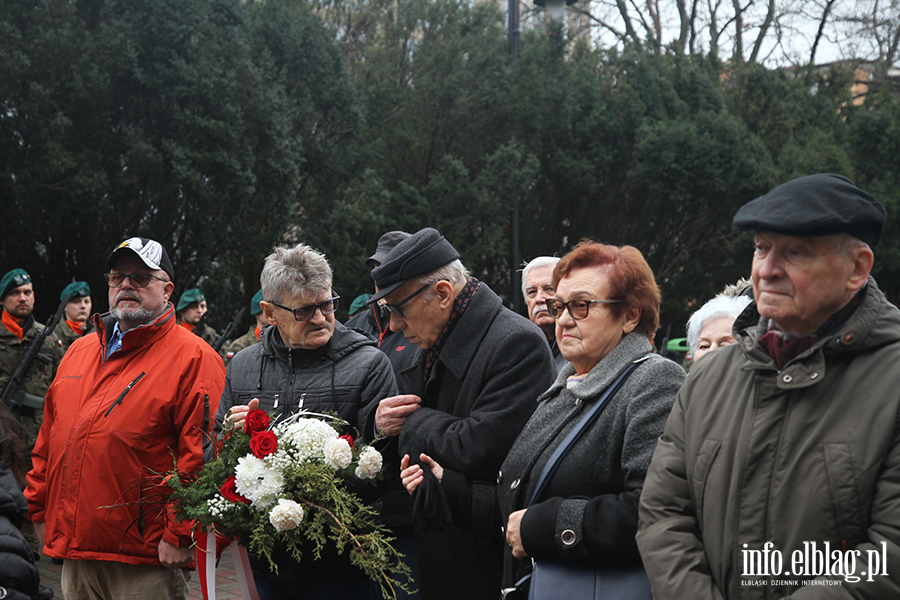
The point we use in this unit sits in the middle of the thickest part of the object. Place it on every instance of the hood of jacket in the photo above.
(875, 323)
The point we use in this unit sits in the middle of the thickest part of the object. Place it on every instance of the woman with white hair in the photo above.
(710, 327)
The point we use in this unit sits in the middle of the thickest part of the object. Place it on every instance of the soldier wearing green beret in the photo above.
(78, 312)
(17, 329)
(252, 335)
(190, 310)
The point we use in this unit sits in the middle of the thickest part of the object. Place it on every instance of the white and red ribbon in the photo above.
(206, 566)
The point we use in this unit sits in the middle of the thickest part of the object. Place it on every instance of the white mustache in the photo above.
(542, 307)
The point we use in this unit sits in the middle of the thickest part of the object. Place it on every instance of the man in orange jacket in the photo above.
(126, 400)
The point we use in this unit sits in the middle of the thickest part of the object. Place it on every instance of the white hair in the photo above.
(297, 271)
(538, 261)
(452, 272)
(718, 307)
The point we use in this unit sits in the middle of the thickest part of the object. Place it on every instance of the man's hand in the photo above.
(514, 533)
(39, 529)
(175, 558)
(238, 413)
(412, 476)
(392, 412)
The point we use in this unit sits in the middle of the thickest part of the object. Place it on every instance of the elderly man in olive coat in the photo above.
(778, 475)
(472, 387)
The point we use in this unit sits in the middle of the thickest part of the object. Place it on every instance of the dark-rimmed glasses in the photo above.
(138, 280)
(307, 312)
(395, 308)
(578, 309)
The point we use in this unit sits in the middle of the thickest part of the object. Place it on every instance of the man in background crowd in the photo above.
(374, 319)
(129, 400)
(252, 336)
(78, 311)
(537, 287)
(191, 310)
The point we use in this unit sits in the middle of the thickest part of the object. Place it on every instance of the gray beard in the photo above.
(136, 314)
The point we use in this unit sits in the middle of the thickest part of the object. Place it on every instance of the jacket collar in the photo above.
(140, 336)
(342, 342)
(604, 373)
(873, 324)
(473, 326)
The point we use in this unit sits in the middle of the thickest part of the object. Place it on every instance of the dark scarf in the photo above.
(459, 307)
(783, 348)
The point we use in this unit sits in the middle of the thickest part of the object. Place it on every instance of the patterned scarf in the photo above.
(783, 347)
(459, 307)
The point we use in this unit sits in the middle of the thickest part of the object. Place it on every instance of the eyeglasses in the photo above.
(305, 313)
(395, 308)
(138, 280)
(578, 309)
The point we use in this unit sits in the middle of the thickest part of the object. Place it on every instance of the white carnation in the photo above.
(338, 453)
(286, 515)
(307, 437)
(258, 481)
(369, 463)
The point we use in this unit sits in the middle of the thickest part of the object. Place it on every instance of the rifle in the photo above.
(220, 341)
(13, 396)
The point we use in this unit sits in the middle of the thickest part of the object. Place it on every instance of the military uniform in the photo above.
(206, 333)
(39, 375)
(65, 335)
(245, 341)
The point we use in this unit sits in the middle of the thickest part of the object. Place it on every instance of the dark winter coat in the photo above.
(18, 573)
(588, 510)
(480, 394)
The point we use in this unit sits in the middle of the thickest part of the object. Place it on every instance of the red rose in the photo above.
(257, 420)
(263, 444)
(229, 491)
(350, 441)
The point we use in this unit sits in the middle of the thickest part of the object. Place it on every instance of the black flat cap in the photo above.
(421, 253)
(386, 243)
(815, 205)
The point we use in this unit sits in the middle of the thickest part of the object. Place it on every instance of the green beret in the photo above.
(815, 205)
(12, 280)
(359, 303)
(255, 308)
(76, 289)
(191, 296)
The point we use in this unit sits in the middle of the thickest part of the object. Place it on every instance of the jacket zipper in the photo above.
(122, 395)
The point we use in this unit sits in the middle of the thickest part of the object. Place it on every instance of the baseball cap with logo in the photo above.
(149, 251)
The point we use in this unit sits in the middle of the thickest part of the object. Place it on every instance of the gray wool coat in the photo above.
(589, 509)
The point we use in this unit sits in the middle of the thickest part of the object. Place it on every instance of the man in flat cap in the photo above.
(778, 475)
(477, 373)
(252, 335)
(128, 400)
(375, 319)
(191, 310)
(77, 313)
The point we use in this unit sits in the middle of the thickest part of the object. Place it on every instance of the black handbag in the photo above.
(553, 579)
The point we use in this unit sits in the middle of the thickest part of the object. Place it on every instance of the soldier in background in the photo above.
(17, 330)
(78, 312)
(252, 336)
(190, 311)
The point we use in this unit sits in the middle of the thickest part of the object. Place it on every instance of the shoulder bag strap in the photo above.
(586, 421)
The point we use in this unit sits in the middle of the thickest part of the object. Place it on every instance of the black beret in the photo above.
(419, 254)
(815, 205)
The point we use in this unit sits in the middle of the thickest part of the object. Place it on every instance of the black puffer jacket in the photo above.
(347, 376)
(18, 574)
